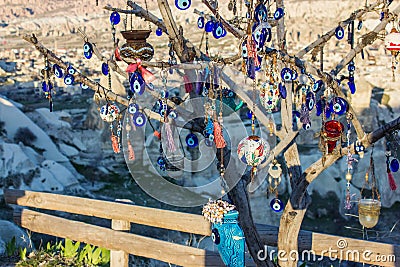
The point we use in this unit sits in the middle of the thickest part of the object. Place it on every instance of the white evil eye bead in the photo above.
(162, 112)
(211, 137)
(339, 32)
(183, 4)
(71, 70)
(276, 205)
(69, 79)
(133, 108)
(200, 22)
(286, 74)
(192, 140)
(218, 30)
(161, 161)
(173, 115)
(306, 126)
(115, 18)
(310, 100)
(279, 13)
(215, 236)
(139, 119)
(244, 50)
(57, 71)
(231, 93)
(104, 69)
(84, 86)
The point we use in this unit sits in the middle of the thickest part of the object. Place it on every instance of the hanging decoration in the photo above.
(392, 43)
(331, 132)
(369, 208)
(253, 150)
(226, 232)
(350, 160)
(47, 85)
(274, 180)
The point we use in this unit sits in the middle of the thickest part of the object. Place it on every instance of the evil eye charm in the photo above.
(192, 140)
(183, 4)
(115, 18)
(319, 107)
(209, 26)
(218, 30)
(276, 205)
(338, 105)
(109, 113)
(161, 161)
(209, 142)
(394, 165)
(57, 71)
(133, 108)
(46, 87)
(137, 83)
(139, 119)
(88, 50)
(282, 91)
(173, 115)
(215, 236)
(159, 31)
(104, 69)
(286, 74)
(318, 85)
(310, 100)
(306, 126)
(244, 50)
(71, 70)
(200, 22)
(69, 79)
(84, 86)
(351, 67)
(352, 87)
(339, 32)
(359, 148)
(164, 94)
(279, 13)
(260, 13)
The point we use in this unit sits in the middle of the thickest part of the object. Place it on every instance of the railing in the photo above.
(122, 243)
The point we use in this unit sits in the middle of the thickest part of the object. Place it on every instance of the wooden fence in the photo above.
(122, 243)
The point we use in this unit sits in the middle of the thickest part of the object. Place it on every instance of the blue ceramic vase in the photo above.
(229, 238)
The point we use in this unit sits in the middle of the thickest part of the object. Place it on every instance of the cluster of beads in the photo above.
(214, 211)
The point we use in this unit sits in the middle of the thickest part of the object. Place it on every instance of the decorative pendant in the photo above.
(276, 205)
(183, 4)
(136, 45)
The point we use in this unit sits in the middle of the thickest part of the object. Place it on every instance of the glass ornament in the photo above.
(252, 150)
(368, 212)
(109, 113)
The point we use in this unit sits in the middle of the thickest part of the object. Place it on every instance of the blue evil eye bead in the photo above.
(164, 94)
(294, 75)
(279, 13)
(358, 147)
(133, 108)
(104, 69)
(360, 25)
(57, 71)
(310, 100)
(306, 126)
(137, 83)
(161, 161)
(352, 87)
(317, 86)
(339, 32)
(319, 107)
(115, 18)
(139, 119)
(159, 31)
(215, 236)
(244, 50)
(209, 141)
(218, 30)
(87, 47)
(200, 22)
(69, 79)
(224, 32)
(88, 55)
(276, 205)
(84, 86)
(173, 115)
(209, 26)
(286, 74)
(71, 70)
(183, 4)
(282, 90)
(192, 140)
(394, 165)
(338, 105)
(351, 67)
(260, 13)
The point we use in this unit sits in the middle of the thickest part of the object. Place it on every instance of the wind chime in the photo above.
(274, 180)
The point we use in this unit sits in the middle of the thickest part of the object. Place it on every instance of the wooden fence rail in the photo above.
(122, 243)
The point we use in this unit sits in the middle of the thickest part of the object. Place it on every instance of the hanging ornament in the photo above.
(183, 4)
(331, 133)
(109, 112)
(339, 32)
(57, 70)
(279, 13)
(338, 105)
(136, 46)
(392, 182)
(191, 140)
(115, 18)
(359, 148)
(87, 50)
(392, 41)
(253, 150)
(200, 22)
(269, 96)
(137, 84)
(276, 205)
(159, 31)
(369, 208)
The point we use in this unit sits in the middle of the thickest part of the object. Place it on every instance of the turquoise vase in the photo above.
(229, 238)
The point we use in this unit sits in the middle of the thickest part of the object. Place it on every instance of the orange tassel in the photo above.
(131, 152)
(218, 137)
(157, 134)
(114, 142)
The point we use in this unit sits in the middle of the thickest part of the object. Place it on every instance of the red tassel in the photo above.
(115, 144)
(392, 182)
(131, 152)
(188, 84)
(218, 137)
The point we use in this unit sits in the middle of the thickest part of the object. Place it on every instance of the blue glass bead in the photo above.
(286, 74)
(282, 90)
(159, 31)
(276, 205)
(139, 119)
(394, 165)
(310, 100)
(279, 13)
(183, 4)
(104, 69)
(218, 30)
(200, 22)
(137, 84)
(115, 18)
(192, 140)
(209, 26)
(84, 86)
(57, 70)
(352, 87)
(69, 79)
(339, 32)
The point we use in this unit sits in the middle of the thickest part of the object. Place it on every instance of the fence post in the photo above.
(120, 258)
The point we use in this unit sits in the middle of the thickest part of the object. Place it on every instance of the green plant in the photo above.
(70, 249)
(22, 254)
(11, 247)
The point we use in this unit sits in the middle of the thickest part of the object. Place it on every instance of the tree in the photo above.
(295, 209)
